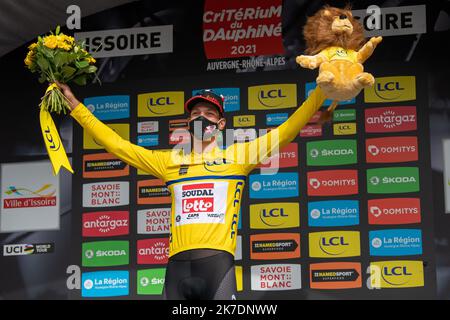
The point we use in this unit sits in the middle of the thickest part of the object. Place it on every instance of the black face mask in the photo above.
(202, 128)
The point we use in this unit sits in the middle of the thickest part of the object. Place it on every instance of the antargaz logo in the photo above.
(390, 119)
(273, 96)
(393, 180)
(334, 244)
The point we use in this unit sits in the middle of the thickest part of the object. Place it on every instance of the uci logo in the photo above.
(390, 90)
(270, 95)
(156, 103)
(54, 144)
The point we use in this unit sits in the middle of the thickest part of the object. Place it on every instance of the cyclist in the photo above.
(206, 185)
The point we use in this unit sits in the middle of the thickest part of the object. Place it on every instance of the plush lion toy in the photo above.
(335, 43)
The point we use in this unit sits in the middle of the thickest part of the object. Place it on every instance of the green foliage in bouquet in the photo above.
(58, 57)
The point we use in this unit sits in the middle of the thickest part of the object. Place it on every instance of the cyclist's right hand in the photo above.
(65, 89)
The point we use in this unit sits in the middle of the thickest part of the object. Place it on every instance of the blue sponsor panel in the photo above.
(232, 97)
(310, 86)
(148, 140)
(105, 284)
(275, 119)
(333, 213)
(395, 242)
(109, 107)
(280, 185)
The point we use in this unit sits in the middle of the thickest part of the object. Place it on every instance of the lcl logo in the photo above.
(389, 86)
(275, 212)
(161, 101)
(333, 241)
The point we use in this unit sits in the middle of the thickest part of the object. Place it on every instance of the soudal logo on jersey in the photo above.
(200, 202)
(153, 191)
(276, 277)
(122, 129)
(106, 194)
(344, 115)
(286, 157)
(394, 211)
(393, 180)
(334, 244)
(148, 127)
(105, 284)
(109, 107)
(217, 165)
(105, 253)
(153, 251)
(344, 128)
(391, 89)
(276, 215)
(331, 152)
(332, 182)
(335, 275)
(396, 274)
(272, 96)
(391, 149)
(106, 224)
(161, 104)
(311, 130)
(390, 119)
(275, 119)
(244, 121)
(395, 242)
(333, 213)
(104, 165)
(153, 221)
(280, 185)
(275, 246)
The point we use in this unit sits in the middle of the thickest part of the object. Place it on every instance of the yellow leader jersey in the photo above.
(338, 53)
(206, 188)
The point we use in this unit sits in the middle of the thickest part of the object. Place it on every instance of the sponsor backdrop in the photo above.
(343, 212)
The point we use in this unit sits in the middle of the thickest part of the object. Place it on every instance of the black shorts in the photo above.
(200, 274)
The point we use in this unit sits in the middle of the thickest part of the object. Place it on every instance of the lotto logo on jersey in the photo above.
(391, 149)
(332, 182)
(200, 202)
(198, 198)
(334, 244)
(394, 211)
(390, 89)
(390, 119)
(396, 274)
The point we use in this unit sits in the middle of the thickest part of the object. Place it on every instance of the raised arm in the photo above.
(269, 144)
(151, 161)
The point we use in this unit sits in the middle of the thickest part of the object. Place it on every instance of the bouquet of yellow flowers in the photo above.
(58, 57)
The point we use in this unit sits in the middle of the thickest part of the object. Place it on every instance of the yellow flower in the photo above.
(90, 60)
(29, 59)
(51, 42)
(32, 46)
